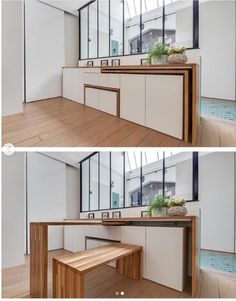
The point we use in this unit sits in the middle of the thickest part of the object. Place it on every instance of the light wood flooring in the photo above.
(106, 283)
(61, 122)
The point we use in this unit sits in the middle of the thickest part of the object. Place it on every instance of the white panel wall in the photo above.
(46, 182)
(216, 194)
(13, 209)
(71, 40)
(217, 45)
(45, 50)
(12, 57)
(72, 192)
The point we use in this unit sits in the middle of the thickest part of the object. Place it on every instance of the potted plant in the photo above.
(177, 55)
(158, 54)
(158, 207)
(177, 207)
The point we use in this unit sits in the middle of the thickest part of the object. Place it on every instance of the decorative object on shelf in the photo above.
(115, 62)
(89, 63)
(116, 214)
(159, 206)
(177, 207)
(104, 63)
(144, 62)
(158, 54)
(91, 216)
(105, 215)
(177, 55)
(145, 214)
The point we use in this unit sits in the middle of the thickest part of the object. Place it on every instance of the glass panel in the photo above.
(132, 26)
(179, 23)
(132, 179)
(152, 181)
(116, 29)
(152, 11)
(85, 185)
(103, 28)
(93, 30)
(84, 33)
(117, 180)
(178, 175)
(104, 180)
(94, 182)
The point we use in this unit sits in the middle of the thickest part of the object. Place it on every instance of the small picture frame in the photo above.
(105, 215)
(89, 63)
(104, 63)
(116, 214)
(145, 214)
(115, 62)
(144, 62)
(91, 216)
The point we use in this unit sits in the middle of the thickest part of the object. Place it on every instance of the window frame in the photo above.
(195, 181)
(195, 37)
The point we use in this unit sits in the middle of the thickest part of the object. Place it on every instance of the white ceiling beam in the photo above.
(59, 4)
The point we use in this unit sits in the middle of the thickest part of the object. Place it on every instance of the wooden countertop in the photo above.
(118, 221)
(157, 66)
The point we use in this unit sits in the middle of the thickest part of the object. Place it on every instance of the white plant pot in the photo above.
(160, 60)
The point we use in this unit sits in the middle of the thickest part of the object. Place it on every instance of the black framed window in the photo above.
(111, 180)
(126, 27)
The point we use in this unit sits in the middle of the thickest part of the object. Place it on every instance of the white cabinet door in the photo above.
(77, 82)
(92, 97)
(74, 238)
(164, 104)
(135, 235)
(132, 102)
(91, 78)
(67, 86)
(108, 102)
(165, 256)
(109, 80)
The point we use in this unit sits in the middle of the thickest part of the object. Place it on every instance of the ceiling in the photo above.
(70, 6)
(71, 158)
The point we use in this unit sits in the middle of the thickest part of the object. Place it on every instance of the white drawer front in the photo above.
(107, 101)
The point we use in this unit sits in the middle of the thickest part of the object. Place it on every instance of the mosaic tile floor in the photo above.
(218, 261)
(218, 109)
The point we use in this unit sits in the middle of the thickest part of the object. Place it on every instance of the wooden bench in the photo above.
(69, 269)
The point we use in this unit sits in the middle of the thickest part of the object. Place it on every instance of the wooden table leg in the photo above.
(131, 266)
(66, 282)
(195, 257)
(38, 260)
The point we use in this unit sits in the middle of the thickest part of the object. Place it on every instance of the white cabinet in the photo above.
(135, 235)
(74, 240)
(164, 104)
(73, 84)
(165, 255)
(92, 98)
(108, 102)
(132, 102)
(91, 78)
(109, 80)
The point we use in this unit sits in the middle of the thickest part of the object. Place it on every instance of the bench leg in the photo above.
(66, 283)
(131, 266)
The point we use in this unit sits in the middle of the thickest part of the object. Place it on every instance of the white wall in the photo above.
(72, 192)
(71, 40)
(13, 209)
(216, 195)
(46, 185)
(45, 50)
(218, 52)
(12, 57)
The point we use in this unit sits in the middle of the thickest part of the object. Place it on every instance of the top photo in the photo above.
(119, 73)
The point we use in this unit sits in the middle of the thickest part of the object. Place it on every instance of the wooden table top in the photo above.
(117, 221)
(85, 261)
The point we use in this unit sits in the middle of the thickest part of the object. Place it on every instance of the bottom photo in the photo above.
(119, 224)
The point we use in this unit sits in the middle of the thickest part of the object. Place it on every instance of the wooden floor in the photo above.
(106, 283)
(61, 122)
